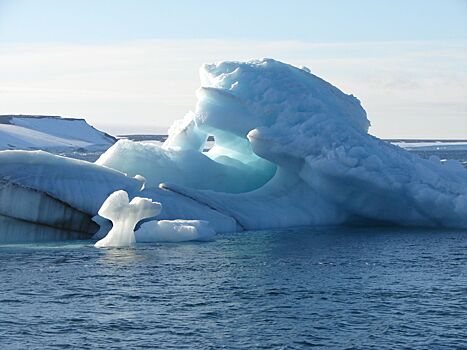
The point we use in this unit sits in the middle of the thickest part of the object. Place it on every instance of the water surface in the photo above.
(361, 288)
(344, 288)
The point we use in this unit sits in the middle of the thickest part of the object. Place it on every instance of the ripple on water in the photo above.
(323, 287)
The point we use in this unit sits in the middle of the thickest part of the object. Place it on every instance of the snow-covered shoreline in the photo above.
(51, 133)
(432, 145)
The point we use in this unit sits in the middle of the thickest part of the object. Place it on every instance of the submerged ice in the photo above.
(290, 149)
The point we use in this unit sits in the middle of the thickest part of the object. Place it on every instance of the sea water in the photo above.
(361, 288)
(328, 287)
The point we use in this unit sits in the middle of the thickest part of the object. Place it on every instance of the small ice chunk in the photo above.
(124, 216)
(175, 231)
(142, 180)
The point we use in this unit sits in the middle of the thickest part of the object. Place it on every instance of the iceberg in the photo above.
(290, 149)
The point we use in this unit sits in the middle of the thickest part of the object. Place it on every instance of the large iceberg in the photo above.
(290, 149)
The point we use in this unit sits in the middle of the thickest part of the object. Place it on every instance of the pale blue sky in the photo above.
(114, 61)
(87, 21)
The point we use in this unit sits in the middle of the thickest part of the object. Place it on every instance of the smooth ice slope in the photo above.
(64, 193)
(184, 166)
(290, 149)
(50, 133)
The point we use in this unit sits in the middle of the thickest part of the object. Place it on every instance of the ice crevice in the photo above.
(290, 149)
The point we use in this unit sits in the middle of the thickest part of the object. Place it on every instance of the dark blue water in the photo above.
(355, 288)
(342, 288)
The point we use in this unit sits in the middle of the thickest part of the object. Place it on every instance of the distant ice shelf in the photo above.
(432, 145)
(54, 133)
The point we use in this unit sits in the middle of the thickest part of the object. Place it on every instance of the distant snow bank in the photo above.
(28, 132)
(433, 145)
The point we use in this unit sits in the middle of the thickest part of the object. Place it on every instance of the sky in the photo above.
(132, 66)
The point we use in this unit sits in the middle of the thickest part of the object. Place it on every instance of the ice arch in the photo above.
(291, 149)
(309, 143)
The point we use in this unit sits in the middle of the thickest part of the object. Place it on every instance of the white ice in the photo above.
(290, 149)
(124, 216)
(306, 144)
(80, 184)
(433, 145)
(50, 133)
(175, 231)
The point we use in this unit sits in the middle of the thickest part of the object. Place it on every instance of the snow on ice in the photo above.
(290, 149)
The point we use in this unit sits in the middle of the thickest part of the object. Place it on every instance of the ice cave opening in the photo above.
(290, 150)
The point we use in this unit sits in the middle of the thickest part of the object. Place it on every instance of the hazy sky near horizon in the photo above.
(132, 66)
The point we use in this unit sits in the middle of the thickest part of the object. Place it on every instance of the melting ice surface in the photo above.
(290, 149)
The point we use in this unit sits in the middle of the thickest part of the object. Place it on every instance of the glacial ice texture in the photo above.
(290, 149)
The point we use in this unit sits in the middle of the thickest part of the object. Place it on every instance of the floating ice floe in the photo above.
(290, 149)
(175, 231)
